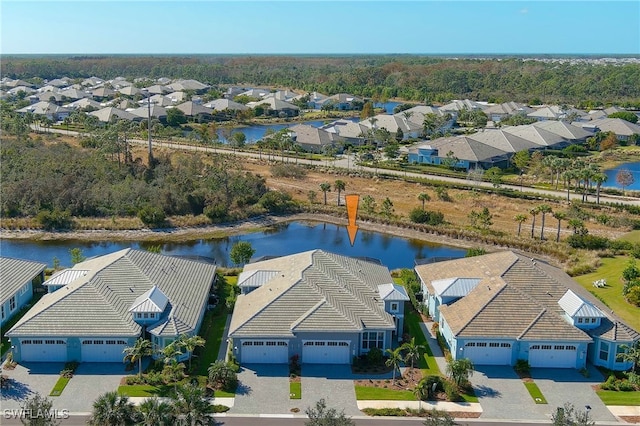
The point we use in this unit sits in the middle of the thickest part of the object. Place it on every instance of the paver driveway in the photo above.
(262, 389)
(333, 383)
(90, 381)
(502, 394)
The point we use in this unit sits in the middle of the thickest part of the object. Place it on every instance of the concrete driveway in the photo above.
(90, 381)
(502, 394)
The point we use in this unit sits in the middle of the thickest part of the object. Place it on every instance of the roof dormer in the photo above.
(454, 287)
(149, 306)
(580, 313)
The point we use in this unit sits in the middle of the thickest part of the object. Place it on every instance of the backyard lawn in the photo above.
(427, 363)
(611, 295)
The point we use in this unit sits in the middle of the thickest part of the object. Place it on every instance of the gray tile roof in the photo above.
(504, 141)
(311, 136)
(466, 148)
(222, 104)
(564, 129)
(616, 125)
(106, 113)
(539, 136)
(313, 291)
(15, 273)
(192, 109)
(98, 303)
(517, 297)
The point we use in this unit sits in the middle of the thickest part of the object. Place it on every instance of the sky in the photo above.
(320, 27)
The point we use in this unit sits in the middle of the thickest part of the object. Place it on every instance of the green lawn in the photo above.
(619, 398)
(371, 393)
(59, 386)
(611, 270)
(427, 363)
(295, 390)
(633, 236)
(213, 328)
(224, 394)
(469, 397)
(535, 393)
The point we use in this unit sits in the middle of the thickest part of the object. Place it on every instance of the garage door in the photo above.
(325, 352)
(103, 350)
(43, 350)
(553, 356)
(265, 351)
(488, 353)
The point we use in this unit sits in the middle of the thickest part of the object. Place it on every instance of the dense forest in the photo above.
(417, 78)
(59, 178)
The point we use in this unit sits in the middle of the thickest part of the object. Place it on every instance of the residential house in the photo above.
(108, 114)
(455, 106)
(350, 132)
(196, 112)
(623, 129)
(155, 111)
(226, 104)
(110, 301)
(316, 100)
(191, 85)
(156, 89)
(393, 123)
(177, 97)
(555, 112)
(501, 307)
(499, 112)
(461, 152)
(18, 279)
(130, 91)
(46, 109)
(103, 93)
(276, 107)
(312, 139)
(322, 307)
(344, 102)
(74, 94)
(545, 139)
(504, 141)
(84, 104)
(573, 134)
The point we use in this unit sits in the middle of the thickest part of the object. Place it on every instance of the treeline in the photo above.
(417, 78)
(56, 177)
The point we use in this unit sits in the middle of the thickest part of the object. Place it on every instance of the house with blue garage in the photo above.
(323, 307)
(18, 279)
(501, 307)
(104, 304)
(460, 152)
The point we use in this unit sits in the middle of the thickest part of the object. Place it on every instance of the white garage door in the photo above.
(553, 356)
(43, 350)
(488, 353)
(325, 352)
(103, 350)
(265, 351)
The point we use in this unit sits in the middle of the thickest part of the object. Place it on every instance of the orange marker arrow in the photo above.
(352, 211)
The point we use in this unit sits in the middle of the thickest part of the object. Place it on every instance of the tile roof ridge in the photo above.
(530, 326)
(500, 290)
(305, 315)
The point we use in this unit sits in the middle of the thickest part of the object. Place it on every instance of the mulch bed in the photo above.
(631, 419)
(408, 381)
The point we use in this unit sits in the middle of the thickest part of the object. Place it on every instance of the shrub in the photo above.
(219, 408)
(522, 366)
(277, 202)
(451, 390)
(432, 218)
(288, 170)
(588, 242)
(151, 215)
(609, 384)
(439, 385)
(633, 295)
(396, 412)
(625, 386)
(216, 212)
(56, 219)
(374, 356)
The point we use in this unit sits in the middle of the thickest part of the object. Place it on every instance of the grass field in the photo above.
(59, 386)
(619, 398)
(535, 393)
(371, 393)
(611, 295)
(295, 390)
(633, 236)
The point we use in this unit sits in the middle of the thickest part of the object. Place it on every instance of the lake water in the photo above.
(634, 168)
(257, 132)
(388, 106)
(394, 252)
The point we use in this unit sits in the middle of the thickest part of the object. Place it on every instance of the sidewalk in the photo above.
(222, 352)
(137, 400)
(426, 405)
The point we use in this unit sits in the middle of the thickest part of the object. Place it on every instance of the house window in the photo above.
(3, 312)
(138, 315)
(559, 347)
(24, 289)
(394, 307)
(494, 345)
(372, 339)
(547, 347)
(111, 342)
(482, 344)
(619, 351)
(122, 342)
(579, 320)
(146, 315)
(50, 342)
(26, 342)
(37, 342)
(12, 303)
(570, 348)
(593, 320)
(505, 345)
(152, 315)
(470, 344)
(604, 351)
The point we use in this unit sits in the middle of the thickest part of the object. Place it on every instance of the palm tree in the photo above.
(139, 350)
(423, 197)
(576, 224)
(544, 209)
(631, 354)
(222, 374)
(413, 351)
(339, 186)
(110, 409)
(325, 187)
(520, 218)
(534, 212)
(421, 391)
(190, 343)
(191, 405)
(460, 370)
(394, 360)
(559, 216)
(569, 175)
(156, 413)
(599, 179)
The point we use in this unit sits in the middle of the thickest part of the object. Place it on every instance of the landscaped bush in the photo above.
(375, 357)
(451, 390)
(395, 412)
(439, 385)
(219, 408)
(522, 366)
(588, 242)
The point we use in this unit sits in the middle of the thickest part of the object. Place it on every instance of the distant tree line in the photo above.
(418, 78)
(56, 181)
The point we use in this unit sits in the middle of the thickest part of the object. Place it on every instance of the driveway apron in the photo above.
(262, 389)
(333, 383)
